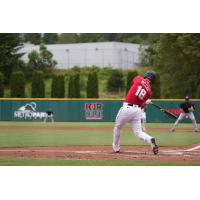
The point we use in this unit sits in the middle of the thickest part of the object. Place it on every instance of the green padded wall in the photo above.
(81, 109)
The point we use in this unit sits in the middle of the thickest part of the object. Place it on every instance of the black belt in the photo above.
(129, 104)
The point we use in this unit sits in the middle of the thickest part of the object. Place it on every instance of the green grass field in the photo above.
(61, 162)
(29, 136)
(40, 134)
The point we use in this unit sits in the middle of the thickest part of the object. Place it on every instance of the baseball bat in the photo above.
(165, 111)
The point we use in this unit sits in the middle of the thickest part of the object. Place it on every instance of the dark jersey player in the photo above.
(187, 109)
(49, 115)
(138, 94)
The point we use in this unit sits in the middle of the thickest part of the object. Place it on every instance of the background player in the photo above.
(138, 94)
(49, 115)
(187, 109)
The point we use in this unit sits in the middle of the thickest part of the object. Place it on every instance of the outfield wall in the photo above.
(101, 110)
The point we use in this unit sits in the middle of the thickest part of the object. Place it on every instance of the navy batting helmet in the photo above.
(151, 75)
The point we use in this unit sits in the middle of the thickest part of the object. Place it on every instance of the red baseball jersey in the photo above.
(139, 91)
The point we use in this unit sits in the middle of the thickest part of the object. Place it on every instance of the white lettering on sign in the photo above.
(28, 111)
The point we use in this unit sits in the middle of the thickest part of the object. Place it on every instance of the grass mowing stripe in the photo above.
(60, 162)
(52, 137)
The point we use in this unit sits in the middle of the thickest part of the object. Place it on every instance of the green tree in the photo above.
(41, 60)
(65, 38)
(92, 85)
(76, 69)
(71, 88)
(1, 85)
(115, 82)
(198, 92)
(17, 86)
(77, 85)
(87, 37)
(10, 43)
(177, 59)
(74, 85)
(34, 38)
(38, 86)
(139, 38)
(50, 38)
(156, 88)
(130, 76)
(147, 49)
(46, 57)
(34, 59)
(58, 86)
(118, 37)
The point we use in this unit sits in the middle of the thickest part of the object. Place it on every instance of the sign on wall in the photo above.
(28, 111)
(93, 111)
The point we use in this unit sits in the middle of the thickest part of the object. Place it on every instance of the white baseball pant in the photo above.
(143, 119)
(49, 117)
(130, 114)
(186, 115)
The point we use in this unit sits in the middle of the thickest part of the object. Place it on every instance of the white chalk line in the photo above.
(183, 151)
(194, 148)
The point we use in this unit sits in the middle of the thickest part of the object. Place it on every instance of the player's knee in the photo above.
(193, 120)
(118, 126)
(116, 130)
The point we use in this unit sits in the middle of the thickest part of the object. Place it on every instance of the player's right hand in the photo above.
(191, 109)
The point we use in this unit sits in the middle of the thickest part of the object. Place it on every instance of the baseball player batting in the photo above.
(138, 94)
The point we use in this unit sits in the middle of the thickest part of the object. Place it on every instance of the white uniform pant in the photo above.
(186, 115)
(143, 118)
(130, 114)
(48, 117)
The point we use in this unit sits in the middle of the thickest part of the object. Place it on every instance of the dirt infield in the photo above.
(128, 153)
(131, 153)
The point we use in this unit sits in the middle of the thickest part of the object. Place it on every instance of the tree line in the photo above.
(64, 38)
(18, 83)
(174, 56)
(115, 83)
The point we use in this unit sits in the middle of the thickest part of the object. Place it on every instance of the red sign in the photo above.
(93, 111)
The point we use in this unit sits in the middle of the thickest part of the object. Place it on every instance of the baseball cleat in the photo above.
(195, 130)
(116, 149)
(154, 146)
(172, 129)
